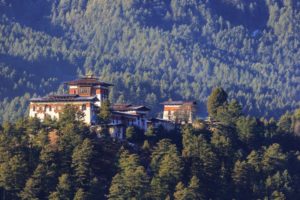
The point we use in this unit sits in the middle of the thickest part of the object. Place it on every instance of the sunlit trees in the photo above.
(131, 181)
(217, 98)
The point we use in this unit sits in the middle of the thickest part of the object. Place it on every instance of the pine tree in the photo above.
(229, 113)
(194, 189)
(80, 195)
(248, 130)
(166, 165)
(180, 192)
(285, 123)
(150, 132)
(217, 98)
(13, 173)
(130, 133)
(70, 114)
(132, 180)
(34, 187)
(146, 145)
(105, 112)
(68, 139)
(63, 189)
(81, 163)
(240, 177)
(273, 159)
(49, 159)
(281, 182)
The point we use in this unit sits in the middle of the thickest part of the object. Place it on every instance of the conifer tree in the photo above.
(217, 98)
(248, 130)
(166, 165)
(13, 173)
(273, 159)
(80, 195)
(68, 139)
(105, 112)
(240, 176)
(194, 189)
(63, 189)
(49, 159)
(180, 192)
(285, 123)
(130, 133)
(146, 145)
(81, 163)
(229, 113)
(132, 180)
(34, 187)
(70, 114)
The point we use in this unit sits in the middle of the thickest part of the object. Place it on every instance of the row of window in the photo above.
(48, 107)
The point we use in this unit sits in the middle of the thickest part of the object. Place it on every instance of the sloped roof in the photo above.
(179, 102)
(129, 107)
(64, 98)
(88, 81)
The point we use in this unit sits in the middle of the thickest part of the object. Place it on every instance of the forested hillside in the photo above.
(238, 157)
(153, 50)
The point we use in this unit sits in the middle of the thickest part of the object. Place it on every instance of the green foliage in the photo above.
(166, 165)
(273, 158)
(153, 50)
(190, 192)
(248, 130)
(80, 195)
(63, 189)
(34, 187)
(132, 181)
(70, 114)
(285, 123)
(229, 113)
(244, 159)
(105, 113)
(81, 163)
(217, 98)
(130, 132)
(146, 145)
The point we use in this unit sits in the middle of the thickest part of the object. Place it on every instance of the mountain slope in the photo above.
(155, 50)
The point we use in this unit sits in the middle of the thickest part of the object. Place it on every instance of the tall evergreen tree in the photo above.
(132, 181)
(35, 187)
(166, 165)
(81, 163)
(105, 112)
(63, 189)
(217, 98)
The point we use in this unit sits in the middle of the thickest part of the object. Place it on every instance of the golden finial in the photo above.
(89, 74)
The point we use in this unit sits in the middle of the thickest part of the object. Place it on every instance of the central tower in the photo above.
(89, 86)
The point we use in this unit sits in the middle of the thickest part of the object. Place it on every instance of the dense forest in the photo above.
(153, 50)
(235, 157)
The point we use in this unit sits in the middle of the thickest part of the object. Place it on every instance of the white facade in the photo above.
(53, 109)
(169, 114)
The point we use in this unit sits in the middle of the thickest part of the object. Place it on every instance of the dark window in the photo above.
(33, 108)
(50, 108)
(85, 90)
(83, 107)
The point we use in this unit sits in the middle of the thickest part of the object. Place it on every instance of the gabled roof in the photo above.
(129, 107)
(125, 114)
(160, 120)
(170, 102)
(64, 98)
(88, 81)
